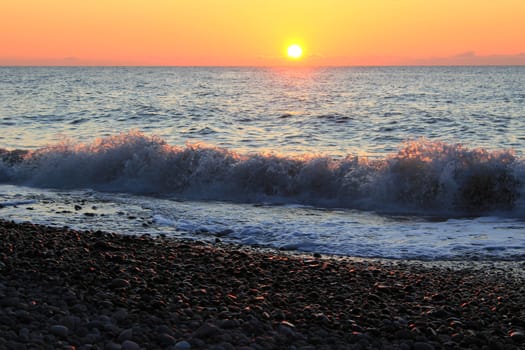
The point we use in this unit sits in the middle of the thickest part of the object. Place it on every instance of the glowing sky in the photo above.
(257, 32)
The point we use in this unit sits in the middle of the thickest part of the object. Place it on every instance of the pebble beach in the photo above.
(64, 289)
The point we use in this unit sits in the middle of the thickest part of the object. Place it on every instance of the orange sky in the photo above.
(256, 32)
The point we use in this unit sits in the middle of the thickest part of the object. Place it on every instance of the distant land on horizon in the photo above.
(463, 59)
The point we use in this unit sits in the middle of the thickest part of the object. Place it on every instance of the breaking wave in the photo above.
(423, 177)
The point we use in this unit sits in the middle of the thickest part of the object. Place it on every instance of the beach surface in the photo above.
(64, 289)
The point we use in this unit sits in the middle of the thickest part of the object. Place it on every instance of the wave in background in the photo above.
(423, 177)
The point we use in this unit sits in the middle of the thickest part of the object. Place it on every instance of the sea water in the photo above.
(398, 162)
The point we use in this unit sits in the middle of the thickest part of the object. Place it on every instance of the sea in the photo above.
(421, 163)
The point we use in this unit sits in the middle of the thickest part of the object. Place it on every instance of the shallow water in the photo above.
(289, 227)
(308, 159)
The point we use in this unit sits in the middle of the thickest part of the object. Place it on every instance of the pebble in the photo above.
(423, 346)
(126, 334)
(129, 345)
(71, 322)
(166, 339)
(165, 329)
(59, 330)
(119, 283)
(229, 324)
(24, 334)
(63, 284)
(120, 315)
(91, 338)
(518, 336)
(182, 345)
(207, 330)
(96, 324)
(112, 346)
(285, 330)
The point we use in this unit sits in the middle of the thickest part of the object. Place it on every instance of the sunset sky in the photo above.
(257, 32)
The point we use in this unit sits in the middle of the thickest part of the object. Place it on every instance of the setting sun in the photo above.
(295, 51)
(262, 33)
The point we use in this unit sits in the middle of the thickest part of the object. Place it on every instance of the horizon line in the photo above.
(252, 66)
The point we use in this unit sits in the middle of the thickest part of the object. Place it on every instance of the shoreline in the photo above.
(61, 288)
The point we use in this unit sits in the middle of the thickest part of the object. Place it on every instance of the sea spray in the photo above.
(423, 177)
(438, 175)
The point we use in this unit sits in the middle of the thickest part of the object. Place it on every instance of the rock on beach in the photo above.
(61, 289)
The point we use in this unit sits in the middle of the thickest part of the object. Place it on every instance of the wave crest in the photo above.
(422, 177)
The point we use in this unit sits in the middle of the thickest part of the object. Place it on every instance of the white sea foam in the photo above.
(162, 221)
(429, 178)
(15, 203)
(334, 231)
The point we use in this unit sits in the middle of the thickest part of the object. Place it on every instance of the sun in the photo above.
(294, 51)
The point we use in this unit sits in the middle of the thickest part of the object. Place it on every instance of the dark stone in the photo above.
(228, 324)
(112, 346)
(423, 346)
(440, 313)
(126, 334)
(166, 339)
(130, 345)
(119, 283)
(59, 330)
(206, 331)
(517, 336)
(182, 345)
